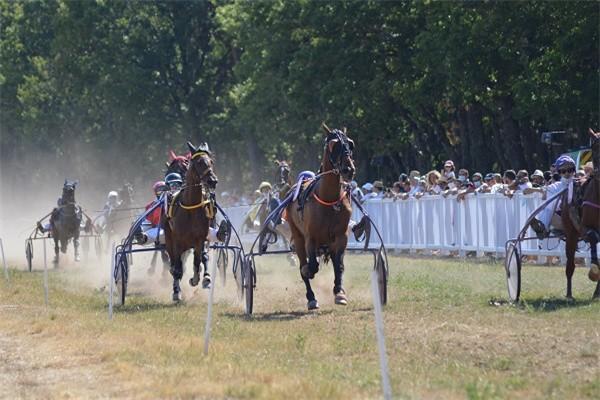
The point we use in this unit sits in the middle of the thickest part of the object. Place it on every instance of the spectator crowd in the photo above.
(450, 182)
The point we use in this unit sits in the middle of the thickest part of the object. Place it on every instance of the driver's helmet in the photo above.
(304, 175)
(113, 197)
(174, 181)
(159, 187)
(563, 161)
(264, 185)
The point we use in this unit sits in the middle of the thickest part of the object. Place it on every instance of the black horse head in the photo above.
(283, 172)
(68, 192)
(126, 194)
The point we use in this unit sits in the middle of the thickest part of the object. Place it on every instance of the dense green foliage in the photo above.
(415, 82)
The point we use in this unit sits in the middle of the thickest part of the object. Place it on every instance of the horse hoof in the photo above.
(206, 282)
(177, 297)
(77, 258)
(194, 281)
(305, 272)
(594, 273)
(313, 305)
(341, 299)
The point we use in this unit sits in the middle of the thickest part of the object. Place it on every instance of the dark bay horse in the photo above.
(65, 221)
(284, 183)
(178, 164)
(320, 229)
(582, 222)
(188, 218)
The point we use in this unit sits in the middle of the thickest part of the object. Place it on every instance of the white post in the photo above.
(4, 262)
(210, 302)
(385, 379)
(111, 280)
(45, 275)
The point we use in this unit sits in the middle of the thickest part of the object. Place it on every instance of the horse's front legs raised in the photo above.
(338, 270)
(571, 245)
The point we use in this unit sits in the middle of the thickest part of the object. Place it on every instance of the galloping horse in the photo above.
(186, 225)
(65, 221)
(321, 227)
(588, 228)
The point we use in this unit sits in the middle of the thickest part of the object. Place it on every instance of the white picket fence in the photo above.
(481, 223)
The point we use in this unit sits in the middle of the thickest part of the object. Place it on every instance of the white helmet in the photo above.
(113, 195)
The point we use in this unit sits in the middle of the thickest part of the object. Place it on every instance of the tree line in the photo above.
(111, 84)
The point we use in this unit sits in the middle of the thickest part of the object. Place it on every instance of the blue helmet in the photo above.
(306, 175)
(563, 160)
(173, 177)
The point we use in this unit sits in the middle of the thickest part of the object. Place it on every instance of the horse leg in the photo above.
(206, 280)
(338, 270)
(300, 246)
(309, 270)
(197, 260)
(76, 246)
(571, 244)
(165, 259)
(55, 260)
(177, 274)
(594, 273)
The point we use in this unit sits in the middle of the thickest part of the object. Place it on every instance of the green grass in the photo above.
(449, 333)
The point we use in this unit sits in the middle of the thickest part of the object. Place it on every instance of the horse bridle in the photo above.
(345, 148)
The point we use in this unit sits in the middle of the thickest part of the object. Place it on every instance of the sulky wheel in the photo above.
(249, 284)
(29, 253)
(222, 261)
(512, 264)
(121, 275)
(382, 276)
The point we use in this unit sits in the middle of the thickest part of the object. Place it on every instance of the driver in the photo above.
(566, 168)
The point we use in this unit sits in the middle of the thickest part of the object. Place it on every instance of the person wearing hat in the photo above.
(537, 179)
(541, 224)
(376, 190)
(448, 169)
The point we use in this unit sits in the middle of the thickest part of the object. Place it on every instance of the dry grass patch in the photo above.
(444, 339)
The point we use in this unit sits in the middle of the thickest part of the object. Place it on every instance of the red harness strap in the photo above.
(329, 203)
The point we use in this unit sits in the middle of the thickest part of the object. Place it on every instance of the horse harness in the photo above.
(208, 202)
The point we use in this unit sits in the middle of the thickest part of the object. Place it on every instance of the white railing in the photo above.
(481, 223)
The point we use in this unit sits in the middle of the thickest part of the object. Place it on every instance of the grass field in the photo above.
(449, 334)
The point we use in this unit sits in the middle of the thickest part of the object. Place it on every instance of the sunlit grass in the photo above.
(449, 333)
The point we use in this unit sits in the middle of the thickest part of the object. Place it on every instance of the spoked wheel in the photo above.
(382, 276)
(222, 261)
(249, 284)
(121, 276)
(29, 254)
(512, 264)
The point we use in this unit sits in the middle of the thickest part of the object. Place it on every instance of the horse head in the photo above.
(126, 194)
(201, 166)
(178, 164)
(338, 153)
(68, 192)
(283, 172)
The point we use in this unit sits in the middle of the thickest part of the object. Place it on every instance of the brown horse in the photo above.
(320, 229)
(177, 163)
(187, 222)
(588, 227)
(284, 183)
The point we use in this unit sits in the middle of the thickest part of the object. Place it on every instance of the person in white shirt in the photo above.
(566, 168)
